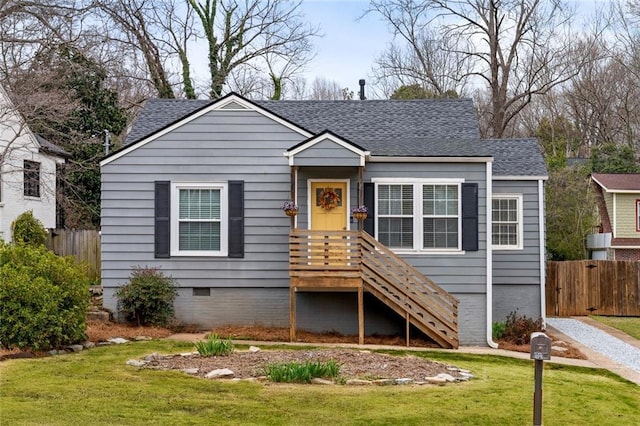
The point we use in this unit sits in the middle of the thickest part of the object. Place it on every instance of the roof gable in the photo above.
(323, 140)
(150, 121)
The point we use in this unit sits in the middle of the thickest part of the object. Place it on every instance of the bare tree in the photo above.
(238, 32)
(328, 90)
(131, 18)
(516, 48)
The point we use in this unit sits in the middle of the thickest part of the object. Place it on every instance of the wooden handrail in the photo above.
(386, 275)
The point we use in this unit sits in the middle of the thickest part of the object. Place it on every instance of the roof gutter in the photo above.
(388, 159)
(489, 295)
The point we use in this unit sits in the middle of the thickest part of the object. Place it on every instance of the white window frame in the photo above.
(418, 213)
(637, 215)
(520, 224)
(175, 218)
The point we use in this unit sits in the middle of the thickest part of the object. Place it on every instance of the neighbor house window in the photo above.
(199, 219)
(419, 215)
(31, 179)
(506, 222)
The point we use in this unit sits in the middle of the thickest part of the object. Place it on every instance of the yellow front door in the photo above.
(328, 206)
(328, 213)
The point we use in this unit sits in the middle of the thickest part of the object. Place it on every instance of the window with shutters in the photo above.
(423, 215)
(506, 233)
(199, 219)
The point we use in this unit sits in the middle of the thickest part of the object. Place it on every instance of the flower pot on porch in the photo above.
(360, 215)
(291, 212)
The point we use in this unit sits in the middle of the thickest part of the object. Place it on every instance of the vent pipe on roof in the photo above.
(362, 82)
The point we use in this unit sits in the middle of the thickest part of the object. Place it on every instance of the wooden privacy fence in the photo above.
(83, 244)
(601, 287)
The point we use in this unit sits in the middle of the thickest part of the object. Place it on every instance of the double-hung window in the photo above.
(506, 222)
(396, 216)
(199, 224)
(424, 215)
(31, 178)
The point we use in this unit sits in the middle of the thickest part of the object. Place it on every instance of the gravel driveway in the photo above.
(598, 341)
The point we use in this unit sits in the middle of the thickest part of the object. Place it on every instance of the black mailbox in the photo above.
(540, 346)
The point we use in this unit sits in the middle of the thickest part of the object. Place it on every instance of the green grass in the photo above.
(297, 372)
(628, 325)
(214, 346)
(96, 387)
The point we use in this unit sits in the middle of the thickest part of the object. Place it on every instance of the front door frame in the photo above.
(348, 199)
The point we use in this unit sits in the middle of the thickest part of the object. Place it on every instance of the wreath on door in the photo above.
(328, 199)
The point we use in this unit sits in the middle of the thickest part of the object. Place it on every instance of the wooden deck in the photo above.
(355, 261)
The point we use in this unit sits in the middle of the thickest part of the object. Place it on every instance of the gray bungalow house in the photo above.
(453, 239)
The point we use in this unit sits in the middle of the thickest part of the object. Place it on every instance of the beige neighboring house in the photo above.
(619, 206)
(27, 170)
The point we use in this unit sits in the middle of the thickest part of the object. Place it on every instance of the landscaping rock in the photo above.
(384, 382)
(141, 338)
(319, 381)
(135, 363)
(359, 382)
(254, 349)
(154, 357)
(88, 345)
(75, 348)
(219, 373)
(446, 377)
(435, 380)
(53, 352)
(403, 381)
(118, 340)
(192, 371)
(559, 349)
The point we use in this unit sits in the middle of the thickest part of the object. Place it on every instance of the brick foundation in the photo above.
(628, 254)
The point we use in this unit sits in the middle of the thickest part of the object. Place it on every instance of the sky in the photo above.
(350, 44)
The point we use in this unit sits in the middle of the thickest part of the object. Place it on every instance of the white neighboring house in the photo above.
(27, 170)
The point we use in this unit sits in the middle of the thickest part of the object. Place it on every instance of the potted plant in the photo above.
(360, 212)
(290, 208)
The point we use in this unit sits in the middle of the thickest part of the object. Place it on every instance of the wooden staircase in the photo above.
(354, 259)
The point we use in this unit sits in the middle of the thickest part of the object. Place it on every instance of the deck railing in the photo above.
(354, 258)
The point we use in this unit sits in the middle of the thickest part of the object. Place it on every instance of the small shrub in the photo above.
(43, 298)
(214, 346)
(147, 299)
(518, 328)
(498, 330)
(26, 229)
(295, 372)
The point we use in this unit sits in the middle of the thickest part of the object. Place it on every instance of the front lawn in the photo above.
(96, 387)
(628, 325)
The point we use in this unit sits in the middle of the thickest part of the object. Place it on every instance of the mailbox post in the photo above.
(540, 351)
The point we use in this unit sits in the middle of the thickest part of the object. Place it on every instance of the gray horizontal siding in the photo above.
(520, 267)
(217, 147)
(326, 152)
(456, 272)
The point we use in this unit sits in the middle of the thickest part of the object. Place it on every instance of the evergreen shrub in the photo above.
(147, 299)
(43, 298)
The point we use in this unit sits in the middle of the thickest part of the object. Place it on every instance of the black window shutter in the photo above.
(370, 203)
(236, 218)
(470, 216)
(162, 219)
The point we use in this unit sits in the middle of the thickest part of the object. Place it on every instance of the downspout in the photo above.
(543, 278)
(489, 195)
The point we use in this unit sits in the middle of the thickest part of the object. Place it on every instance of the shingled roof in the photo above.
(614, 182)
(408, 128)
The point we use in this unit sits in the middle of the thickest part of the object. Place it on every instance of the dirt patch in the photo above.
(99, 331)
(354, 364)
